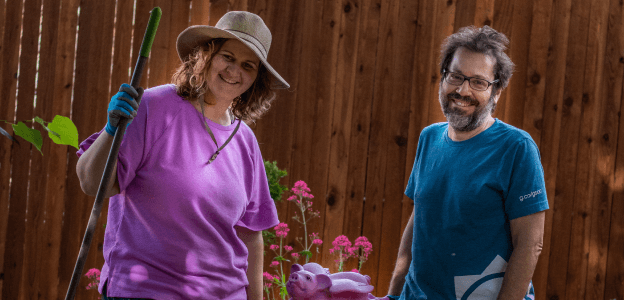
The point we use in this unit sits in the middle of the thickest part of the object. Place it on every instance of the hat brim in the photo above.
(198, 35)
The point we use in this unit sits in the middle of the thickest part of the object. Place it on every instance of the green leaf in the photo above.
(66, 130)
(29, 134)
(306, 253)
(8, 135)
(42, 122)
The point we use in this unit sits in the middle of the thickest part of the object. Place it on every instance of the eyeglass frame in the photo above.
(490, 83)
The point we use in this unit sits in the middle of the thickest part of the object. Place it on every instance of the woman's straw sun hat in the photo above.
(244, 26)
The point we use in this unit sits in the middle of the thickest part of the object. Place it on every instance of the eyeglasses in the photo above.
(477, 84)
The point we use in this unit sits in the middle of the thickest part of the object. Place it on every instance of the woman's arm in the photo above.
(253, 241)
(90, 167)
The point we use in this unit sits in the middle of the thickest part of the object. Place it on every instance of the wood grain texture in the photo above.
(364, 78)
(8, 82)
(21, 209)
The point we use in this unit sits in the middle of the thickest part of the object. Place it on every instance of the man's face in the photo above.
(465, 108)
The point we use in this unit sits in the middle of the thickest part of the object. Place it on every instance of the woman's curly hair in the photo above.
(190, 82)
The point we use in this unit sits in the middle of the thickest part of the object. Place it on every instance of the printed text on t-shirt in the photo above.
(530, 195)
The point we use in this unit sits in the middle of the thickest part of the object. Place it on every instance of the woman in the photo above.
(189, 193)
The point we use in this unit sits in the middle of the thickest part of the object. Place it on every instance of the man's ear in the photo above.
(497, 95)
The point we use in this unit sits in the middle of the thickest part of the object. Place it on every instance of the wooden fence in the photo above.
(364, 83)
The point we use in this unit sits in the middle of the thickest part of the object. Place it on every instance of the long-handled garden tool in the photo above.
(146, 46)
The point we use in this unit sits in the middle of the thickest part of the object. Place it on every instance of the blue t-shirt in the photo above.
(465, 193)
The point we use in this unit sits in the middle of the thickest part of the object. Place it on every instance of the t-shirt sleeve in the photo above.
(527, 189)
(260, 213)
(410, 189)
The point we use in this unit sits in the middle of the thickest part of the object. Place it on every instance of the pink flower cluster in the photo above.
(342, 247)
(94, 275)
(281, 230)
(300, 189)
(361, 243)
(340, 243)
(269, 279)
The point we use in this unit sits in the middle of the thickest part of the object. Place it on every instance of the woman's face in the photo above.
(232, 70)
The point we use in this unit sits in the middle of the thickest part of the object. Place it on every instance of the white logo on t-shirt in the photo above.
(530, 195)
(484, 286)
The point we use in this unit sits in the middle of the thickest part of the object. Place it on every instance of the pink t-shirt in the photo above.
(171, 232)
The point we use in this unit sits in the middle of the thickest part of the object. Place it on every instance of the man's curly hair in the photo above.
(190, 82)
(481, 40)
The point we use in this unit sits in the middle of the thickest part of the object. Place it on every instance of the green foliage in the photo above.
(61, 130)
(268, 237)
(274, 174)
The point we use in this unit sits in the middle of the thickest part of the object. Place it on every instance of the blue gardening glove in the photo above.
(123, 105)
(391, 297)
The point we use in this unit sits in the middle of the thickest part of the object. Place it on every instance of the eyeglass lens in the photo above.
(475, 83)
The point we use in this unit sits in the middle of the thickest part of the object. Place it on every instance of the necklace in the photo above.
(214, 156)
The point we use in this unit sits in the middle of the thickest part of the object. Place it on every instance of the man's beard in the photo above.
(458, 119)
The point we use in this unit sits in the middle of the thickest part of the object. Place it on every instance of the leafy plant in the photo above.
(342, 246)
(274, 174)
(61, 130)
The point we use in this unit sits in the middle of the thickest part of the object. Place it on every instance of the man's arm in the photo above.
(253, 241)
(404, 258)
(527, 234)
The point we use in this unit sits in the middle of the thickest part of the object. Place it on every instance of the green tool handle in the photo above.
(146, 46)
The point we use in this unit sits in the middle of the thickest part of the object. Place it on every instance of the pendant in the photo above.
(213, 157)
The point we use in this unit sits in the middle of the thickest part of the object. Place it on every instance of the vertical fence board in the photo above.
(533, 118)
(363, 92)
(610, 115)
(40, 243)
(423, 83)
(20, 217)
(64, 80)
(586, 170)
(518, 52)
(378, 141)
(180, 15)
(603, 238)
(568, 145)
(91, 95)
(123, 45)
(467, 15)
(443, 27)
(338, 164)
(57, 161)
(504, 16)
(141, 18)
(200, 12)
(159, 56)
(8, 83)
(396, 135)
(484, 13)
(552, 122)
(314, 117)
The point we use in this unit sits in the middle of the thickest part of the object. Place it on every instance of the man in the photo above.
(477, 185)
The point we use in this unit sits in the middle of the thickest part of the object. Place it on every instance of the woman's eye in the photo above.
(227, 57)
(249, 66)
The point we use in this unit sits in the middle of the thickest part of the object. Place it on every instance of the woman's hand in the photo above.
(124, 104)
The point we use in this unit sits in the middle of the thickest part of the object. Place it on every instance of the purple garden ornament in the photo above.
(313, 282)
